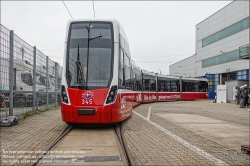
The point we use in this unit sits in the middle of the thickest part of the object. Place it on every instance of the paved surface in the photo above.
(83, 146)
(226, 133)
(31, 135)
(150, 145)
(22, 143)
(158, 138)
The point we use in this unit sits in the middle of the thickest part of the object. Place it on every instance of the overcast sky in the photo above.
(160, 33)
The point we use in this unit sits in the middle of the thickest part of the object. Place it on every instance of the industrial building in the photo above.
(222, 48)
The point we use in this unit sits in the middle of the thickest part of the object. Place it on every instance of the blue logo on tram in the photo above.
(87, 95)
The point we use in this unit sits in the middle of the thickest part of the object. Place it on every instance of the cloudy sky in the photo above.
(160, 33)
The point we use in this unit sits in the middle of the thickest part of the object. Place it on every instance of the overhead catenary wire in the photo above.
(67, 9)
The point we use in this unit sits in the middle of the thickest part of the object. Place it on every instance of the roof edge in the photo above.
(215, 12)
(182, 60)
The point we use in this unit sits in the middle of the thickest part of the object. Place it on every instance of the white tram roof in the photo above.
(117, 27)
(168, 76)
(183, 78)
(147, 72)
(194, 79)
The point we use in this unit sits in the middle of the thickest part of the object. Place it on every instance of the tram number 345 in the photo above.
(86, 101)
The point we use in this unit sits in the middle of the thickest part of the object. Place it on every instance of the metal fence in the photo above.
(29, 80)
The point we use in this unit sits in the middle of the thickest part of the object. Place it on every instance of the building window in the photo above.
(233, 29)
(243, 74)
(219, 59)
(244, 51)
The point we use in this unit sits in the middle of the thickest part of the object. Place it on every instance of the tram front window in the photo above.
(90, 54)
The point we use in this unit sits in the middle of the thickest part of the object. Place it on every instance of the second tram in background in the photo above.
(101, 83)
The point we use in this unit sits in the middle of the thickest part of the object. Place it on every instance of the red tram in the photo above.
(101, 83)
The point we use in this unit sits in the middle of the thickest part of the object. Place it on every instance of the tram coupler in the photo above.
(8, 121)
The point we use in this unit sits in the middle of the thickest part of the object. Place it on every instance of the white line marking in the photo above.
(149, 110)
(185, 143)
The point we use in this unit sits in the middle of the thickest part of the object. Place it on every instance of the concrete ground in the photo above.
(22, 143)
(223, 132)
(163, 133)
(188, 133)
(88, 146)
(29, 136)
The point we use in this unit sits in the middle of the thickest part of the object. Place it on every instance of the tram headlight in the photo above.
(112, 94)
(64, 95)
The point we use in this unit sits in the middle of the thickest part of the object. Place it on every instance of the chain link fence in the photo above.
(29, 80)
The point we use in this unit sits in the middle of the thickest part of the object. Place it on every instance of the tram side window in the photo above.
(121, 75)
(190, 86)
(168, 87)
(159, 85)
(146, 84)
(127, 72)
(163, 85)
(177, 85)
(133, 78)
(203, 86)
(138, 80)
(149, 83)
(173, 86)
(152, 85)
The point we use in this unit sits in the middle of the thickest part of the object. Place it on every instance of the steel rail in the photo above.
(119, 130)
(120, 145)
(58, 138)
(129, 156)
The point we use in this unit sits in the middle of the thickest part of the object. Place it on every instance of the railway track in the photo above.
(122, 157)
(125, 152)
(53, 143)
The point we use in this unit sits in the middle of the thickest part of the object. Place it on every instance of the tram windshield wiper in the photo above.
(89, 39)
(79, 76)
